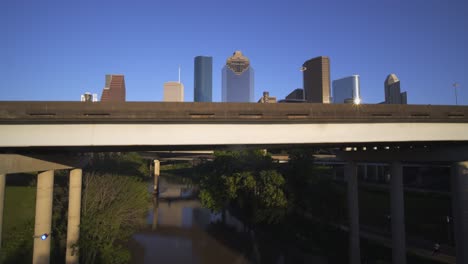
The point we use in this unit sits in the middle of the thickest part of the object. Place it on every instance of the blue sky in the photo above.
(57, 50)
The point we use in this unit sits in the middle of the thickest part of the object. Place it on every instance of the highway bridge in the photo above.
(135, 125)
(35, 135)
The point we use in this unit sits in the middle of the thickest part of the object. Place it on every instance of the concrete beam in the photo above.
(15, 163)
(43, 220)
(74, 213)
(460, 209)
(151, 135)
(422, 155)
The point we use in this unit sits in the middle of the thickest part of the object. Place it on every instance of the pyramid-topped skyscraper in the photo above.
(237, 79)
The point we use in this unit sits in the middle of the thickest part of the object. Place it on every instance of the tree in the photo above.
(112, 207)
(246, 180)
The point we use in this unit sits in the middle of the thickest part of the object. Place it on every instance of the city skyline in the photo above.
(57, 50)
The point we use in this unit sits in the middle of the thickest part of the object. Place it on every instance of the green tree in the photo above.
(310, 188)
(247, 180)
(112, 207)
(129, 164)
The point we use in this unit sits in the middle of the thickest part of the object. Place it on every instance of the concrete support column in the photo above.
(43, 220)
(154, 225)
(460, 209)
(353, 210)
(376, 173)
(74, 213)
(398, 214)
(2, 199)
(156, 177)
(379, 173)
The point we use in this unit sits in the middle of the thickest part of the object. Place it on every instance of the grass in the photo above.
(18, 224)
(19, 207)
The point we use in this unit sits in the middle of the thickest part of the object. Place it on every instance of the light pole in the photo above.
(455, 85)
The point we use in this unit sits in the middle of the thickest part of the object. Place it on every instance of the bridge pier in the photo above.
(353, 210)
(365, 172)
(43, 220)
(74, 213)
(398, 214)
(2, 199)
(156, 178)
(460, 209)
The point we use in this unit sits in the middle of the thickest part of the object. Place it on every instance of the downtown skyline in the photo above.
(52, 53)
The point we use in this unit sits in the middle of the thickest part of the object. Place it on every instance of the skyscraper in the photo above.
(203, 83)
(347, 89)
(173, 92)
(237, 79)
(316, 74)
(114, 89)
(392, 91)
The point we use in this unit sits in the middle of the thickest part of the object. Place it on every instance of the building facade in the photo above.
(267, 99)
(203, 79)
(393, 94)
(347, 90)
(114, 89)
(316, 77)
(237, 79)
(173, 92)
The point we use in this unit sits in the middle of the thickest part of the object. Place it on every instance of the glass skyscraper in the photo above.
(203, 83)
(346, 90)
(237, 79)
(392, 91)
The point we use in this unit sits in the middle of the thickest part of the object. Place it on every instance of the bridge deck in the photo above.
(146, 126)
(172, 112)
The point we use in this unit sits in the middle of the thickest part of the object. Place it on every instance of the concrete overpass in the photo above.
(179, 125)
(393, 134)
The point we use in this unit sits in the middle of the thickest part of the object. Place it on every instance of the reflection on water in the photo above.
(180, 230)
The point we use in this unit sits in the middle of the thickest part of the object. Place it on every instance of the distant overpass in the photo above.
(141, 125)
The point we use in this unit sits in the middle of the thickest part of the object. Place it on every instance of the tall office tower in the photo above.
(173, 92)
(392, 91)
(203, 83)
(237, 79)
(316, 74)
(347, 89)
(114, 91)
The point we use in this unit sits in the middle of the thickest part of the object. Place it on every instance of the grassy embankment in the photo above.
(18, 222)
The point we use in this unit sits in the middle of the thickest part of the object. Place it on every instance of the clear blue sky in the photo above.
(57, 50)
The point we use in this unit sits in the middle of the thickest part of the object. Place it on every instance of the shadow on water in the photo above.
(180, 230)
